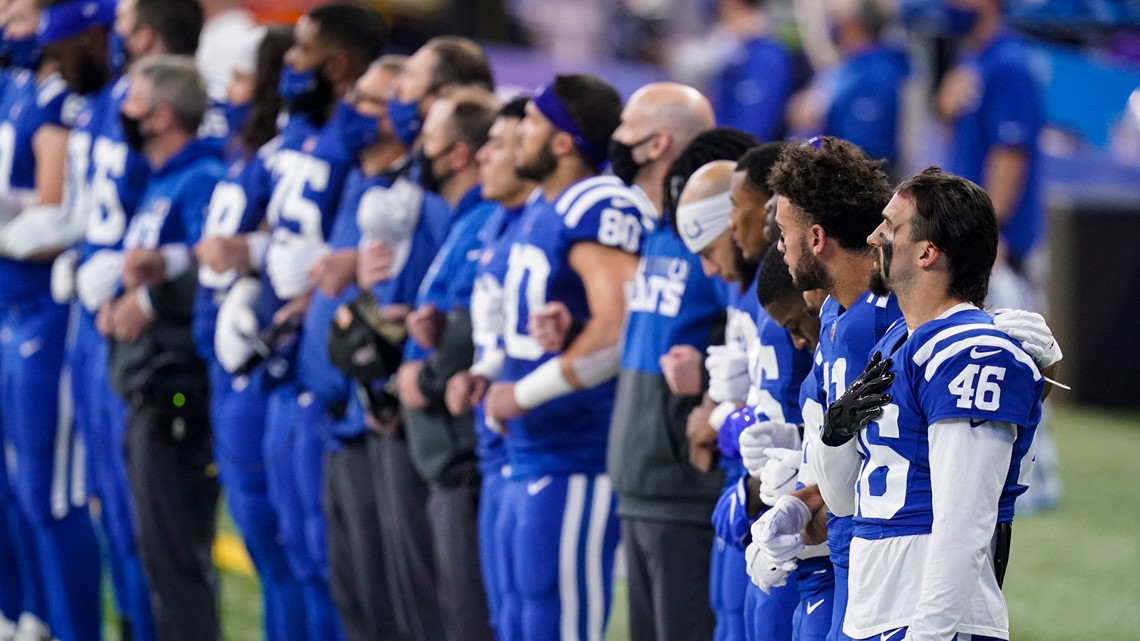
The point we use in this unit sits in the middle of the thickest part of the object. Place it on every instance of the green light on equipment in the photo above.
(179, 399)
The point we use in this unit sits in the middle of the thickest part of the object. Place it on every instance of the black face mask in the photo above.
(430, 180)
(133, 133)
(621, 159)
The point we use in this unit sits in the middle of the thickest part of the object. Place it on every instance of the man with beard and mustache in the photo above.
(576, 243)
(105, 179)
(830, 196)
(755, 376)
(333, 46)
(153, 360)
(944, 415)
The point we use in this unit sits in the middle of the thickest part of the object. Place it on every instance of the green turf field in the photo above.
(1074, 573)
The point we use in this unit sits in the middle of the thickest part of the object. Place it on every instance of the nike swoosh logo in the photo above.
(812, 606)
(29, 347)
(974, 353)
(534, 487)
(975, 423)
(889, 635)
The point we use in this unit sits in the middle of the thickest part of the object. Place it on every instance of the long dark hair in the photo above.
(262, 124)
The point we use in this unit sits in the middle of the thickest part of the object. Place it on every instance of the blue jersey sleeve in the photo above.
(606, 212)
(194, 201)
(984, 376)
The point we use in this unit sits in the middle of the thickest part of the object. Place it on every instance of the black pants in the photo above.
(453, 516)
(175, 490)
(401, 500)
(668, 580)
(357, 576)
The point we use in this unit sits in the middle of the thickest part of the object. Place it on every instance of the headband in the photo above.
(64, 20)
(703, 221)
(548, 103)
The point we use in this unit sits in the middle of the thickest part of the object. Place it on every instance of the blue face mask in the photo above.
(23, 53)
(294, 84)
(960, 21)
(236, 115)
(116, 53)
(406, 120)
(356, 130)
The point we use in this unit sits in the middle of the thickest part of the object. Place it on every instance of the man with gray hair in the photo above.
(154, 365)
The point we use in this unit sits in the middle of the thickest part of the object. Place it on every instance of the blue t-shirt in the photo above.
(25, 106)
(1008, 113)
(958, 366)
(864, 98)
(750, 91)
(673, 303)
(569, 434)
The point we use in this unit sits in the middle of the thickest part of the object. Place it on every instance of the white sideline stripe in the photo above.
(595, 587)
(927, 350)
(981, 341)
(568, 556)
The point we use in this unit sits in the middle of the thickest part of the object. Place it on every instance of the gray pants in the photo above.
(357, 576)
(668, 580)
(175, 492)
(406, 542)
(453, 515)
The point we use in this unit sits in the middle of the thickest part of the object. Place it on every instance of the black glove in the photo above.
(862, 403)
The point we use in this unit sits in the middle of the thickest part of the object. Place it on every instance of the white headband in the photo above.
(703, 221)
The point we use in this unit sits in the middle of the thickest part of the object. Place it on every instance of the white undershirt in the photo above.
(940, 583)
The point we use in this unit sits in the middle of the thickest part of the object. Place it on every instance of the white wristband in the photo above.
(542, 385)
(490, 366)
(145, 304)
(175, 258)
(258, 244)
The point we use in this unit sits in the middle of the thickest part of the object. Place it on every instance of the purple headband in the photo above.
(547, 102)
(67, 19)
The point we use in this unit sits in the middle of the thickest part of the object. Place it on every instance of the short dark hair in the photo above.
(721, 143)
(958, 217)
(774, 282)
(473, 114)
(836, 186)
(594, 106)
(177, 23)
(357, 29)
(757, 162)
(515, 108)
(459, 62)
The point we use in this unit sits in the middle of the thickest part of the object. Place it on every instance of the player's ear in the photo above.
(818, 239)
(929, 255)
(337, 67)
(562, 144)
(660, 144)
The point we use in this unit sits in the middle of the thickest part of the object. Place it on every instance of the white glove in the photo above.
(780, 473)
(391, 215)
(778, 533)
(756, 439)
(1030, 329)
(287, 263)
(39, 229)
(63, 277)
(767, 575)
(236, 324)
(98, 277)
(728, 374)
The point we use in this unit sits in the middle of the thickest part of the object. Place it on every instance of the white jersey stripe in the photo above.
(577, 189)
(980, 341)
(927, 350)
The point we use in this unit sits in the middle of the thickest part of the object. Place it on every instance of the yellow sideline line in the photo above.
(230, 554)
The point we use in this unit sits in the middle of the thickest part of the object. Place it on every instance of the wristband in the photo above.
(542, 385)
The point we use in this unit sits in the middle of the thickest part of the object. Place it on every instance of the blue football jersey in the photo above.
(236, 207)
(673, 303)
(117, 174)
(174, 204)
(25, 106)
(568, 434)
(489, 275)
(958, 366)
(308, 169)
